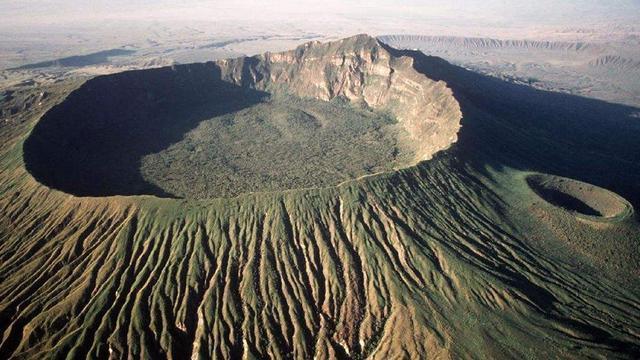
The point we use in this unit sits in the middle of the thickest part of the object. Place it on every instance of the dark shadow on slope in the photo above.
(506, 124)
(96, 58)
(92, 143)
(516, 126)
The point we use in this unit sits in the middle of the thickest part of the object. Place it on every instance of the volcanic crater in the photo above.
(579, 197)
(451, 258)
(315, 116)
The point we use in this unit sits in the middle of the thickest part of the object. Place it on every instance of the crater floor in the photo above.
(282, 143)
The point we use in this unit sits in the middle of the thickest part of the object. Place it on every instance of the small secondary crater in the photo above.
(579, 197)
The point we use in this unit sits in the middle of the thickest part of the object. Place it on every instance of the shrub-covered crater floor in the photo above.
(281, 143)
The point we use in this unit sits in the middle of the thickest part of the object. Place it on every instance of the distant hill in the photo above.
(96, 58)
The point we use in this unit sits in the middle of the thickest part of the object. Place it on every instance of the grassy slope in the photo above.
(442, 259)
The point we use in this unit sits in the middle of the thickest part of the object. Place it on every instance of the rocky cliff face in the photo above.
(361, 70)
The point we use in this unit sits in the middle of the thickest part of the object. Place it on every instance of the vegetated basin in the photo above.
(185, 133)
(315, 116)
(579, 197)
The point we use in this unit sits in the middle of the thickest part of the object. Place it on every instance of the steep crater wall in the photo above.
(361, 70)
(314, 116)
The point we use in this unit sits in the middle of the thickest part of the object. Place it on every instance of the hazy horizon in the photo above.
(491, 13)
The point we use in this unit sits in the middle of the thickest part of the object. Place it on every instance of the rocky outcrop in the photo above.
(362, 71)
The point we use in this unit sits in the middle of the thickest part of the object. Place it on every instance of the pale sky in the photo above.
(39, 12)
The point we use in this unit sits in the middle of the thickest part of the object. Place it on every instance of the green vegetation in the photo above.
(283, 143)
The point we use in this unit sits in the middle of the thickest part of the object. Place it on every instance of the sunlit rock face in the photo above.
(361, 70)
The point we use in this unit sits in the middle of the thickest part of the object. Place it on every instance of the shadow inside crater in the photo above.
(92, 143)
(562, 199)
(517, 126)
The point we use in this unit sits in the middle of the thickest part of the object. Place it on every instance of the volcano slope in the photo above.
(517, 240)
